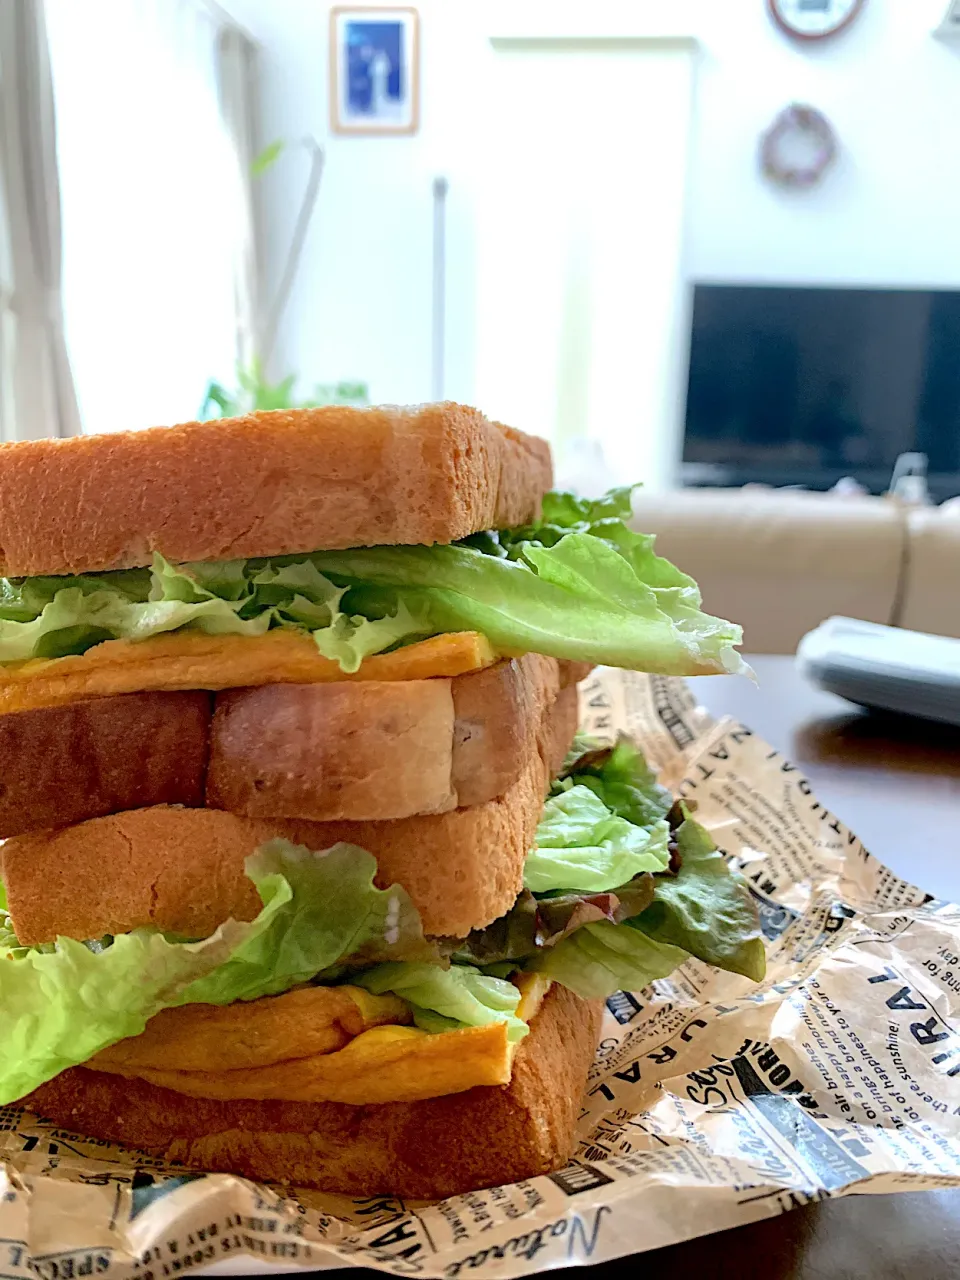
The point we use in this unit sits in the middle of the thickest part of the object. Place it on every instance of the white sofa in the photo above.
(930, 599)
(781, 561)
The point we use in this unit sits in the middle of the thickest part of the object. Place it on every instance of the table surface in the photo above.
(896, 783)
(893, 781)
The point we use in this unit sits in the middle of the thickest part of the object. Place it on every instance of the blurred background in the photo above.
(706, 244)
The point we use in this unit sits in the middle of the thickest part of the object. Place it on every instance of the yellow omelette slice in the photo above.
(192, 660)
(301, 1023)
(385, 1063)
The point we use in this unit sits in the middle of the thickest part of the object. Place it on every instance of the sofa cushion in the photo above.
(781, 561)
(931, 598)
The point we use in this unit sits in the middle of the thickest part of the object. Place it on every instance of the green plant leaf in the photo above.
(267, 157)
(219, 397)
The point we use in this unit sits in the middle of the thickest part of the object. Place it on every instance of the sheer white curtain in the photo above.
(155, 208)
(237, 79)
(36, 390)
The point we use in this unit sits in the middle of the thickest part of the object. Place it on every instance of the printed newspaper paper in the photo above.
(711, 1102)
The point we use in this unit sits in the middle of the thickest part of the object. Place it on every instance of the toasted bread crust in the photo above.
(497, 716)
(444, 1146)
(378, 750)
(181, 870)
(65, 764)
(369, 750)
(373, 750)
(264, 484)
(177, 870)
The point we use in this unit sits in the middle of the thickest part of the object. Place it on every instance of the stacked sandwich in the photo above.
(305, 875)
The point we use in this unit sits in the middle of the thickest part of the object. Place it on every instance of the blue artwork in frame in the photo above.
(374, 72)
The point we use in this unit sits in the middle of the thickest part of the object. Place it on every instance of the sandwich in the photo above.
(306, 874)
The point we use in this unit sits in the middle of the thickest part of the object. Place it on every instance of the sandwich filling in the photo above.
(578, 585)
(333, 993)
(188, 659)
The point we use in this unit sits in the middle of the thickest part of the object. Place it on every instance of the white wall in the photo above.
(888, 214)
(361, 307)
(581, 309)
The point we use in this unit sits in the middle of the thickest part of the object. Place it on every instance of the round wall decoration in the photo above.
(814, 19)
(798, 148)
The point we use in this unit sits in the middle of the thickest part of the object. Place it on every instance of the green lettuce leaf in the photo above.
(581, 844)
(533, 923)
(622, 779)
(351, 638)
(72, 621)
(331, 911)
(52, 617)
(62, 1004)
(606, 520)
(578, 584)
(444, 999)
(264, 596)
(598, 879)
(602, 958)
(193, 583)
(75, 619)
(706, 908)
(23, 599)
(580, 599)
(215, 617)
(563, 513)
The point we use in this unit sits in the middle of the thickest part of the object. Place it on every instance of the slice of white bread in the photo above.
(417, 1150)
(181, 870)
(378, 750)
(357, 750)
(263, 485)
(60, 765)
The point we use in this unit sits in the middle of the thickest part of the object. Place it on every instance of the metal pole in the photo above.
(439, 318)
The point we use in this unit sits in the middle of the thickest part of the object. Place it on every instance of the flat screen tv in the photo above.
(802, 386)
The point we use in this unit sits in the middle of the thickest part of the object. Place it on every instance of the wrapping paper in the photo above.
(711, 1102)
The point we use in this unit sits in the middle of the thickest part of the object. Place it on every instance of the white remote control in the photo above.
(884, 667)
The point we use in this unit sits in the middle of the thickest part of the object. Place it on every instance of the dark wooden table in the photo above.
(896, 783)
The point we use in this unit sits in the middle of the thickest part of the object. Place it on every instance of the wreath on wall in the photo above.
(798, 148)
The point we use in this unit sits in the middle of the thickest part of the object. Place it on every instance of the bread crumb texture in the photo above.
(265, 484)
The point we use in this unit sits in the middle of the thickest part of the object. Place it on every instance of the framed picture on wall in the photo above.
(374, 70)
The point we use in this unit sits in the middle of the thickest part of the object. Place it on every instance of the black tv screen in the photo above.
(806, 385)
